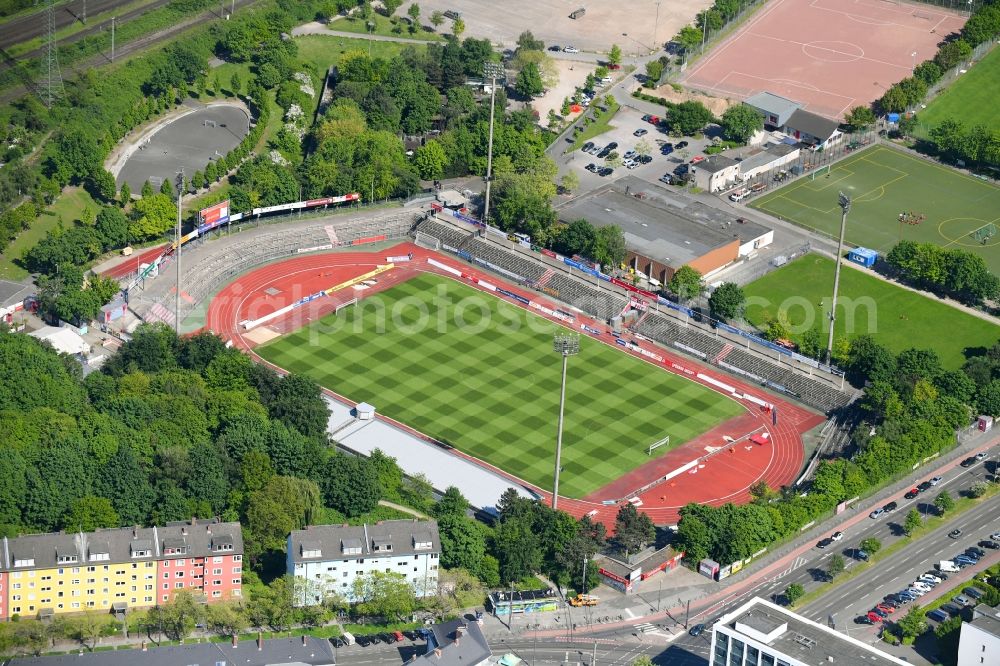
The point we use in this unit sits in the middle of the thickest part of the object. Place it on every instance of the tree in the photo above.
(112, 227)
(226, 618)
(437, 18)
(88, 628)
(912, 522)
(151, 216)
(740, 122)
(836, 566)
(430, 160)
(457, 28)
(871, 545)
(686, 283)
(608, 247)
(391, 6)
(642, 660)
(517, 549)
(615, 55)
(569, 182)
(384, 594)
(179, 616)
(978, 489)
(688, 118)
(654, 70)
(794, 592)
(693, 538)
(526, 42)
(125, 195)
(860, 118)
(912, 624)
(727, 301)
(298, 402)
(236, 84)
(212, 174)
(633, 530)
(988, 398)
(529, 81)
(462, 542)
(89, 513)
(944, 502)
(452, 503)
(349, 485)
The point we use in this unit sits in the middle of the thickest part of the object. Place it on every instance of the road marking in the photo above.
(631, 615)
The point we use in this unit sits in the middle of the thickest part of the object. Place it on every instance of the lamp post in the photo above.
(493, 71)
(565, 344)
(844, 202)
(177, 294)
(913, 62)
(656, 26)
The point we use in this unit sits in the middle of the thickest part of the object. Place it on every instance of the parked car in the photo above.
(981, 455)
(911, 493)
(629, 154)
(863, 619)
(337, 642)
(697, 158)
(926, 586)
(605, 171)
(995, 536)
(412, 635)
(969, 462)
(876, 513)
(697, 629)
(823, 543)
(963, 601)
(667, 178)
(940, 574)
(644, 159)
(917, 591)
(681, 170)
(860, 554)
(592, 168)
(936, 480)
(878, 611)
(887, 607)
(873, 617)
(640, 132)
(924, 486)
(837, 536)
(973, 551)
(612, 145)
(890, 507)
(587, 146)
(973, 592)
(453, 15)
(555, 47)
(666, 149)
(570, 49)
(929, 578)
(954, 534)
(964, 561)
(992, 545)
(951, 609)
(682, 144)
(363, 641)
(937, 615)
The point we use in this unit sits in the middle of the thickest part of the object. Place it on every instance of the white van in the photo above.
(947, 565)
(348, 638)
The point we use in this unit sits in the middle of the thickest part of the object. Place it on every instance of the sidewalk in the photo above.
(760, 573)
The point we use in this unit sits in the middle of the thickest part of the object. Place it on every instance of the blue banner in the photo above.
(465, 255)
(516, 297)
(572, 264)
(674, 306)
(756, 340)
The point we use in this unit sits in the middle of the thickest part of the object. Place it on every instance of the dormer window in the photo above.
(311, 552)
(140, 553)
(100, 557)
(67, 559)
(422, 545)
(177, 550)
(24, 562)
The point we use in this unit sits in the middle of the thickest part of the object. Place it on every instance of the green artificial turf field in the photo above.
(897, 318)
(971, 99)
(490, 388)
(882, 183)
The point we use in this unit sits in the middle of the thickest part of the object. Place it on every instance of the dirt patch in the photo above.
(717, 105)
(571, 76)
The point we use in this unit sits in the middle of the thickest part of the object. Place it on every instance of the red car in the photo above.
(654, 120)
(886, 608)
(874, 617)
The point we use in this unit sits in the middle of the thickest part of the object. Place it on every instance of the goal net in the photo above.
(663, 442)
(984, 233)
(428, 241)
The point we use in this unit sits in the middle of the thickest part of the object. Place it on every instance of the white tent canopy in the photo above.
(63, 340)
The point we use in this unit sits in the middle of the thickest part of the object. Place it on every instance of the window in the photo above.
(240, 569)
(100, 557)
(91, 569)
(166, 575)
(166, 586)
(721, 649)
(178, 585)
(24, 562)
(75, 604)
(180, 563)
(16, 586)
(217, 572)
(237, 593)
(237, 581)
(217, 593)
(216, 582)
(140, 553)
(237, 558)
(736, 653)
(179, 574)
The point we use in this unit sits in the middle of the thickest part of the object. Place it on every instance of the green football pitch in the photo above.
(897, 318)
(971, 99)
(481, 375)
(883, 183)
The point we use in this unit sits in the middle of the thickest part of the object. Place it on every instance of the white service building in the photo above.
(979, 641)
(760, 633)
(325, 560)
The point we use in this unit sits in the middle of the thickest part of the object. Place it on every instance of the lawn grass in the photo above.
(897, 318)
(596, 128)
(383, 27)
(971, 99)
(490, 386)
(882, 183)
(322, 51)
(67, 208)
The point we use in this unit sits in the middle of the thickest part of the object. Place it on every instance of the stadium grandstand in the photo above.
(672, 330)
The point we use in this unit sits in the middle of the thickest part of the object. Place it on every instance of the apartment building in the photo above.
(327, 559)
(115, 570)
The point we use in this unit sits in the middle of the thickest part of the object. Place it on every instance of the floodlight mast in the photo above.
(844, 202)
(493, 71)
(566, 345)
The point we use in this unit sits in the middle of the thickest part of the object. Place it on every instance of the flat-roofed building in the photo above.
(760, 633)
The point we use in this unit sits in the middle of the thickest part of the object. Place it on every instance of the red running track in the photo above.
(131, 264)
(724, 475)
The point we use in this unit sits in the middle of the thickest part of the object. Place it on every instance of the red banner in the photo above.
(549, 253)
(635, 290)
(369, 239)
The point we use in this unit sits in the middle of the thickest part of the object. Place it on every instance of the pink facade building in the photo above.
(203, 557)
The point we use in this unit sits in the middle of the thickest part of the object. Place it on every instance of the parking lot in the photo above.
(622, 132)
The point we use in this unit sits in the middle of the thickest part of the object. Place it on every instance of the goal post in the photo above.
(427, 241)
(984, 233)
(663, 442)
